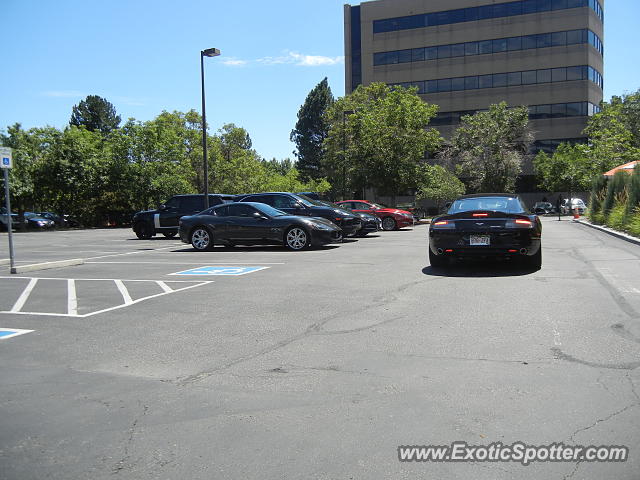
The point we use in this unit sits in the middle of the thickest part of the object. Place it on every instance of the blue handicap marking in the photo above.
(220, 270)
(5, 161)
(12, 332)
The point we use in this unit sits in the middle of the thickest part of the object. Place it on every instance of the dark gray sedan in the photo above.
(250, 223)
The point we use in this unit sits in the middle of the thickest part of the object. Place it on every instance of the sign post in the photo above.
(6, 164)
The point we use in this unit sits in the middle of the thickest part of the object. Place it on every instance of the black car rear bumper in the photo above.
(501, 245)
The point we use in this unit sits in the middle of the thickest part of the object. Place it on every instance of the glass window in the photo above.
(404, 56)
(499, 10)
(543, 76)
(514, 78)
(444, 85)
(574, 73)
(543, 5)
(529, 77)
(431, 53)
(239, 210)
(431, 86)
(430, 19)
(471, 83)
(471, 14)
(559, 74)
(442, 18)
(457, 50)
(485, 12)
(456, 16)
(532, 112)
(282, 201)
(543, 40)
(485, 47)
(499, 79)
(392, 57)
(457, 84)
(529, 6)
(381, 26)
(417, 54)
(514, 8)
(559, 110)
(380, 58)
(574, 37)
(219, 211)
(444, 51)
(514, 43)
(499, 45)
(485, 81)
(192, 204)
(173, 202)
(558, 4)
(543, 111)
(530, 41)
(559, 39)
(575, 3)
(418, 85)
(471, 48)
(576, 109)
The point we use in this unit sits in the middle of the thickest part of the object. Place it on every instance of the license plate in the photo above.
(479, 240)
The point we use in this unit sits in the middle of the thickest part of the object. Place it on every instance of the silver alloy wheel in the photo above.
(388, 223)
(200, 239)
(296, 238)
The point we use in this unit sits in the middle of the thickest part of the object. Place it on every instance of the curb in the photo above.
(47, 265)
(615, 233)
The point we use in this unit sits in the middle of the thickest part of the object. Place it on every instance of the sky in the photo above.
(144, 57)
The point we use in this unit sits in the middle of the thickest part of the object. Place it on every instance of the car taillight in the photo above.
(480, 214)
(519, 223)
(442, 222)
(443, 225)
(523, 222)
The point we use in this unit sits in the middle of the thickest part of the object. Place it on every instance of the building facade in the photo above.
(464, 55)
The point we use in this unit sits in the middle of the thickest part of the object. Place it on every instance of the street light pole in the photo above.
(210, 52)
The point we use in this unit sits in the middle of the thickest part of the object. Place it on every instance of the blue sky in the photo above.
(143, 56)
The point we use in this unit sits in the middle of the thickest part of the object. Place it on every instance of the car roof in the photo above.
(202, 195)
(478, 195)
(365, 201)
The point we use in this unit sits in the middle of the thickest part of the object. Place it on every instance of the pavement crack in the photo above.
(602, 420)
(124, 462)
(560, 355)
(570, 475)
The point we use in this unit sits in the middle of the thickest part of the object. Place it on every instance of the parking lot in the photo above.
(152, 360)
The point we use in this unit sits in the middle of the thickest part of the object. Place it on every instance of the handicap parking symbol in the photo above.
(12, 332)
(219, 270)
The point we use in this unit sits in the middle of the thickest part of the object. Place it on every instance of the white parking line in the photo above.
(191, 263)
(24, 296)
(72, 299)
(124, 292)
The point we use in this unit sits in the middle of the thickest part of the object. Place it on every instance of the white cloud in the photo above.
(63, 94)
(234, 62)
(299, 59)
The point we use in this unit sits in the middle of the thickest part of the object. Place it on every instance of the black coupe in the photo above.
(486, 225)
(250, 223)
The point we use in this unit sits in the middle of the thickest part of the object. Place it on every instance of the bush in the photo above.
(598, 188)
(614, 187)
(617, 215)
(634, 223)
(634, 191)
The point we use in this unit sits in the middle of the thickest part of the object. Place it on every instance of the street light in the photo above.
(344, 151)
(209, 52)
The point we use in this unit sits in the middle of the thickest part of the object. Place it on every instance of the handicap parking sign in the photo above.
(220, 270)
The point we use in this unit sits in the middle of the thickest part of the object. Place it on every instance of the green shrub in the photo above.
(633, 226)
(617, 215)
(614, 187)
(598, 188)
(597, 215)
(634, 191)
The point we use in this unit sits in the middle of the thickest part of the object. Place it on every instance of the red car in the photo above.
(392, 218)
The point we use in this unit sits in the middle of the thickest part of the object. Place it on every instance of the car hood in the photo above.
(367, 216)
(392, 210)
(321, 220)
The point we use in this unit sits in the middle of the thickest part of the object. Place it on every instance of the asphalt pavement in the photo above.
(152, 360)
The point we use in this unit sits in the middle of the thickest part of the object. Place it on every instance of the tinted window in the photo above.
(530, 41)
(485, 47)
(514, 43)
(219, 211)
(500, 80)
(173, 202)
(444, 51)
(272, 212)
(485, 81)
(417, 54)
(457, 83)
(444, 85)
(543, 76)
(500, 204)
(240, 210)
(282, 201)
(574, 73)
(559, 75)
(543, 40)
(559, 39)
(404, 56)
(192, 204)
(470, 83)
(471, 48)
(514, 78)
(499, 45)
(457, 50)
(529, 77)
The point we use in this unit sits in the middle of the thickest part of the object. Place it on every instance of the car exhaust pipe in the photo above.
(523, 251)
(440, 251)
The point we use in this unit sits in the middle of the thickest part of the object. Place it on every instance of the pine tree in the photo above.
(633, 201)
(310, 131)
(96, 114)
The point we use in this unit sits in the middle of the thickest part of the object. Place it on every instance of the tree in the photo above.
(615, 187)
(633, 201)
(438, 184)
(569, 168)
(382, 142)
(488, 147)
(96, 114)
(311, 129)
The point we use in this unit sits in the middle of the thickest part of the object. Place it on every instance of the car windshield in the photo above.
(269, 210)
(497, 204)
(309, 202)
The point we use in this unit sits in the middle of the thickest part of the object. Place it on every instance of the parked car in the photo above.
(392, 218)
(542, 208)
(251, 223)
(58, 220)
(165, 219)
(486, 225)
(370, 223)
(4, 220)
(34, 220)
(576, 203)
(294, 204)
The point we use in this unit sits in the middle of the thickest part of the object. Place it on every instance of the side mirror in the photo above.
(259, 216)
(162, 207)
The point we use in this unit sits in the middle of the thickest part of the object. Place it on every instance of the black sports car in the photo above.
(250, 223)
(486, 225)
(370, 223)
